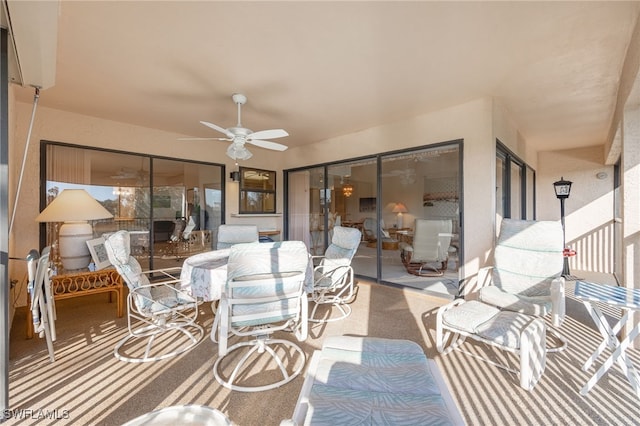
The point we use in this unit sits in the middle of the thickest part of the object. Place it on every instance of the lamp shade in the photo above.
(400, 208)
(74, 207)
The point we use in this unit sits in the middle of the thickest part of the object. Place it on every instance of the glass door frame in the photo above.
(378, 158)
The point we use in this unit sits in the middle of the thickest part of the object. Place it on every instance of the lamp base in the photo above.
(399, 221)
(72, 238)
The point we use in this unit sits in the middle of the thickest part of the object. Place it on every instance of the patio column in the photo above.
(630, 167)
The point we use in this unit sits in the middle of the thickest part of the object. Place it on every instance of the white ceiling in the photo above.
(323, 69)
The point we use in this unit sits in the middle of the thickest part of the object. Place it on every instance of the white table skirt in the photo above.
(204, 275)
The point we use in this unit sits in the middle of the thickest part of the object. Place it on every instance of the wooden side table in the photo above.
(82, 283)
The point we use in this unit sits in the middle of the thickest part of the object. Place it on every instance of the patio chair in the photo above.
(156, 310)
(370, 228)
(429, 250)
(333, 276)
(524, 285)
(231, 234)
(264, 294)
(42, 303)
(228, 236)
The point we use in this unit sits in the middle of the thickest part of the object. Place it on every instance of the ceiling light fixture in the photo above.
(347, 190)
(237, 151)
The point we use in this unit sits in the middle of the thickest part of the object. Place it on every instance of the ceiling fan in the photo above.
(239, 135)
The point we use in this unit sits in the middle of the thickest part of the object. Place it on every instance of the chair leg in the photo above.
(532, 354)
(260, 346)
(442, 336)
(186, 327)
(345, 311)
(563, 341)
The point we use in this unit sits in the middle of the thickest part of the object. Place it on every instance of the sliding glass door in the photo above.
(382, 195)
(170, 207)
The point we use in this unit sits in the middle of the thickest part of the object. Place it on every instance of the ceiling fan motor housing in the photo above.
(239, 98)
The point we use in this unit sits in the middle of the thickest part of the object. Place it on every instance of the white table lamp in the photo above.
(74, 207)
(399, 208)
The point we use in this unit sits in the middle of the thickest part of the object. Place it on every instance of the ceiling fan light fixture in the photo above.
(238, 152)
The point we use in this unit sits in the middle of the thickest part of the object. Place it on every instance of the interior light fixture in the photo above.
(74, 207)
(399, 208)
(347, 190)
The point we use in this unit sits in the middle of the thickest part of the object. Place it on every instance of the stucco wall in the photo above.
(589, 209)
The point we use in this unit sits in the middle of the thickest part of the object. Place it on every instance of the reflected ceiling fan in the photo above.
(239, 135)
(407, 176)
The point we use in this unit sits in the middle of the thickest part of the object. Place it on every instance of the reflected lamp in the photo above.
(399, 208)
(74, 207)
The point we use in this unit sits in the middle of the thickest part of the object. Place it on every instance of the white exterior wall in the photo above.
(630, 165)
(589, 210)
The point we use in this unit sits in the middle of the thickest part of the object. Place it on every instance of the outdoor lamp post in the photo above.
(563, 189)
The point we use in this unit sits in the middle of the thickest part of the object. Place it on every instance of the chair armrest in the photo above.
(331, 268)
(484, 277)
(171, 273)
(405, 246)
(558, 301)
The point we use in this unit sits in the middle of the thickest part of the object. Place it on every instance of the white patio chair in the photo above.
(228, 236)
(429, 249)
(42, 303)
(156, 310)
(231, 234)
(333, 276)
(524, 285)
(264, 294)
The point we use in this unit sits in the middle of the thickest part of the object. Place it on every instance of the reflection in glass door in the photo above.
(354, 205)
(304, 207)
(382, 196)
(421, 186)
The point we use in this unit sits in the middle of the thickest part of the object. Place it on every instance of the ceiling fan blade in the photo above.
(268, 144)
(218, 128)
(203, 139)
(269, 134)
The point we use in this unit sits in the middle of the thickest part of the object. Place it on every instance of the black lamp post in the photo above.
(563, 189)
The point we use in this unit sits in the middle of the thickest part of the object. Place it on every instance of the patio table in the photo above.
(203, 275)
(627, 299)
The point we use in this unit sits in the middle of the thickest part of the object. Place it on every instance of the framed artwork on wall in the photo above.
(367, 204)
